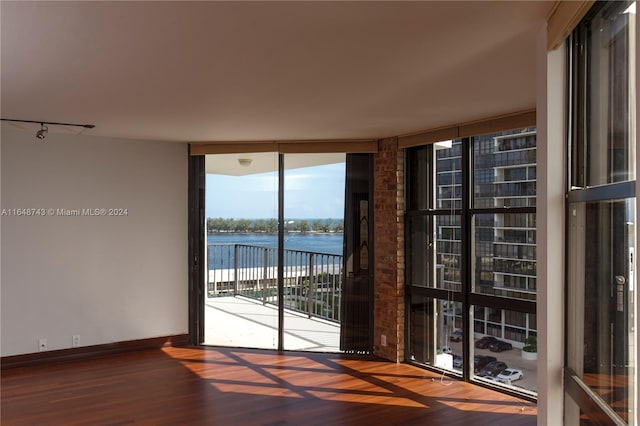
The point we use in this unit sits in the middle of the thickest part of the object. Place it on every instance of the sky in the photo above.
(310, 193)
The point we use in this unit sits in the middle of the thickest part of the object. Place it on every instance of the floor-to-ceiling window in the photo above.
(471, 258)
(601, 353)
(433, 255)
(288, 251)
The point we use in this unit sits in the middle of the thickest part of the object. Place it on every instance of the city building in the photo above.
(504, 244)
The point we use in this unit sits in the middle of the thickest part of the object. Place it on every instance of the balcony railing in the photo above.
(312, 281)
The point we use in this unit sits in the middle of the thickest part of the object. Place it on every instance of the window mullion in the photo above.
(466, 267)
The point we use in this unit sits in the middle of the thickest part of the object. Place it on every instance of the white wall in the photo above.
(106, 278)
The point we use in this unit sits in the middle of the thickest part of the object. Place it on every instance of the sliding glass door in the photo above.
(313, 250)
(277, 273)
(241, 277)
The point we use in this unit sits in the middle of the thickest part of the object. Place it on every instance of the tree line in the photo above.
(270, 226)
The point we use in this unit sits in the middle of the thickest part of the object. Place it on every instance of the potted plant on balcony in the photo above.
(530, 349)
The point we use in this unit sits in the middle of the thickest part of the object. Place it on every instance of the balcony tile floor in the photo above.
(243, 323)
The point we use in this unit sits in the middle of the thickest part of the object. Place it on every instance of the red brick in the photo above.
(389, 249)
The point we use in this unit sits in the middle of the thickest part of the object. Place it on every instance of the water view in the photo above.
(330, 243)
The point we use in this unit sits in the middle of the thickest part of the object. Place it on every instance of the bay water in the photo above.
(221, 252)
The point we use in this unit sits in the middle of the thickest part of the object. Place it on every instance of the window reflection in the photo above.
(604, 149)
(601, 317)
(602, 309)
(436, 333)
(435, 252)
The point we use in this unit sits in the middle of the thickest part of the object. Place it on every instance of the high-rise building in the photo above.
(504, 245)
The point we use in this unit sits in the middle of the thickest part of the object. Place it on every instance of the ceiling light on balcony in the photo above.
(631, 9)
(245, 162)
(443, 144)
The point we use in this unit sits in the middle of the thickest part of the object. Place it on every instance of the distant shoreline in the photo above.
(270, 226)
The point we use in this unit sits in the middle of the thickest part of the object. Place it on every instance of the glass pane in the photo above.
(448, 252)
(314, 188)
(418, 258)
(505, 254)
(505, 347)
(504, 169)
(608, 155)
(418, 178)
(435, 333)
(448, 190)
(242, 241)
(601, 317)
(434, 265)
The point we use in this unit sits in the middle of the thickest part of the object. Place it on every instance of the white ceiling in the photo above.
(243, 71)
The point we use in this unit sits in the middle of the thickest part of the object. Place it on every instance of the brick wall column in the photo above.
(389, 250)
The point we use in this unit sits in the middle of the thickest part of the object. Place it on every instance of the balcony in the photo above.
(242, 296)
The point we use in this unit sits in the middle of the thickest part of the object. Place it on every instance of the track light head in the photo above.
(42, 133)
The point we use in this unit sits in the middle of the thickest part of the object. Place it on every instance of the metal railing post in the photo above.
(310, 290)
(235, 269)
(208, 284)
(265, 272)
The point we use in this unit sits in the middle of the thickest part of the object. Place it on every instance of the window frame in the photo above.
(467, 212)
(578, 191)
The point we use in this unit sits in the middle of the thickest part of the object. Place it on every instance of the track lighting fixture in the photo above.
(42, 133)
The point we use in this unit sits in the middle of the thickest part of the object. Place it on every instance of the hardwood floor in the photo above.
(197, 386)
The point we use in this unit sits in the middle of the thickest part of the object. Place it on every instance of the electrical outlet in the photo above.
(42, 345)
(383, 340)
(75, 340)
